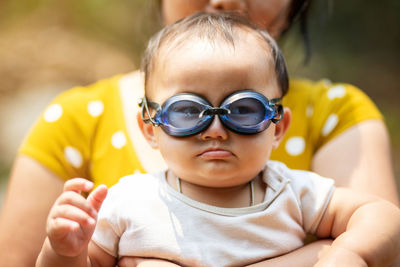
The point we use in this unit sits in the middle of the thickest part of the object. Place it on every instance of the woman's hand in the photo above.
(72, 219)
(340, 257)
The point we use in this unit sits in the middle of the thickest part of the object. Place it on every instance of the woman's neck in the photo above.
(226, 197)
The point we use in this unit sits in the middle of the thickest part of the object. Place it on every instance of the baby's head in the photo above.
(214, 29)
(213, 83)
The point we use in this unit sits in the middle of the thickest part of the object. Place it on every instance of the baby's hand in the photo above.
(72, 218)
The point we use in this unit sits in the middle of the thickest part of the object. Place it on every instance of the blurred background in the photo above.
(48, 46)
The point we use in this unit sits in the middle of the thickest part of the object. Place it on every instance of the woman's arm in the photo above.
(303, 257)
(31, 192)
(360, 159)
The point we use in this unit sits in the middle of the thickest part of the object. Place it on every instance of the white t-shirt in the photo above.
(143, 216)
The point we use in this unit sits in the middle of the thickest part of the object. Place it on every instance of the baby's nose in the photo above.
(216, 130)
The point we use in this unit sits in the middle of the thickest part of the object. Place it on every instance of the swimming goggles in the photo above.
(186, 114)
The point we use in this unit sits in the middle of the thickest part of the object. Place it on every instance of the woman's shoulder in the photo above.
(321, 110)
(94, 99)
(85, 104)
(321, 99)
(78, 121)
(100, 88)
(326, 97)
(314, 89)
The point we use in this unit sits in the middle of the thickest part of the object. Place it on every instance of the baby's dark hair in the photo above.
(213, 27)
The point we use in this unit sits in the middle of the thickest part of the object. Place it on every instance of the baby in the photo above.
(213, 86)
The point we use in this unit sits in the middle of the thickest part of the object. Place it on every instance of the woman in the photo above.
(92, 132)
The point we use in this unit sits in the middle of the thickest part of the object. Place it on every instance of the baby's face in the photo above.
(216, 157)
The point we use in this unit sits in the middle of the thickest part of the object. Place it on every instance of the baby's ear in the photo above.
(147, 131)
(282, 127)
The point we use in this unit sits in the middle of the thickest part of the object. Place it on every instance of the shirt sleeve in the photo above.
(321, 111)
(108, 229)
(314, 193)
(61, 137)
(336, 108)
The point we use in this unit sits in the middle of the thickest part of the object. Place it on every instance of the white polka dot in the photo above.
(53, 113)
(295, 145)
(330, 124)
(95, 108)
(336, 92)
(118, 139)
(73, 156)
(309, 111)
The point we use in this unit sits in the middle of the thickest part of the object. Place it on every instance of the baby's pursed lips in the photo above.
(216, 153)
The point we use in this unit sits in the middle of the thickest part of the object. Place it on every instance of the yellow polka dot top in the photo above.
(83, 133)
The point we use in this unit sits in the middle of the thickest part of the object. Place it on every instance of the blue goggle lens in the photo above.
(184, 114)
(246, 112)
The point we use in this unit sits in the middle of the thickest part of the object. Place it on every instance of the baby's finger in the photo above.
(77, 200)
(60, 227)
(78, 185)
(74, 214)
(97, 197)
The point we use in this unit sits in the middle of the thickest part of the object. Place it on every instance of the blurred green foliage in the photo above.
(126, 24)
(364, 31)
(357, 42)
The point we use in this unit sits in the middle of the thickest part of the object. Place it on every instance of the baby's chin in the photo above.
(217, 180)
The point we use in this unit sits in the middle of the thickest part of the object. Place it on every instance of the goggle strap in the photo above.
(275, 101)
(145, 109)
(279, 110)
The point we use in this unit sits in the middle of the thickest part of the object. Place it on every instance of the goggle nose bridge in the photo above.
(214, 111)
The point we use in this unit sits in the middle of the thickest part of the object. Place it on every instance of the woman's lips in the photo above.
(216, 154)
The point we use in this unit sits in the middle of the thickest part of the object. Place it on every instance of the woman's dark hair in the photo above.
(213, 27)
(299, 12)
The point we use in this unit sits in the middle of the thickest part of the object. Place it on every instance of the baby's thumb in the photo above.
(97, 197)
